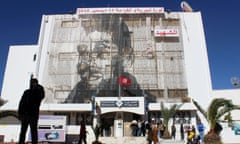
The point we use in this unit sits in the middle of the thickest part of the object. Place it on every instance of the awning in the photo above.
(188, 106)
(157, 106)
(67, 107)
(9, 106)
(54, 107)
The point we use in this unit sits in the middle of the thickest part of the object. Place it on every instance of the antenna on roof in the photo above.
(186, 7)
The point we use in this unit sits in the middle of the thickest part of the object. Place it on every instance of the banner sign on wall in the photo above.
(51, 128)
(146, 10)
(119, 103)
(166, 33)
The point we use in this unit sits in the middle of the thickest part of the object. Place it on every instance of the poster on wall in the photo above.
(51, 128)
(166, 32)
(89, 54)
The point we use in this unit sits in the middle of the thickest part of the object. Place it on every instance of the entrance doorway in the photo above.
(111, 123)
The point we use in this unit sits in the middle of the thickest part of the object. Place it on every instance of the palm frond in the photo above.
(201, 110)
(8, 113)
(218, 107)
(226, 109)
(228, 118)
(169, 112)
(215, 105)
(173, 109)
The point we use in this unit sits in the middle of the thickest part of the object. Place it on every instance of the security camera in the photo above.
(235, 81)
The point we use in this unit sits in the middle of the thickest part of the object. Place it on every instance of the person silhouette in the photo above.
(28, 110)
(83, 133)
(182, 131)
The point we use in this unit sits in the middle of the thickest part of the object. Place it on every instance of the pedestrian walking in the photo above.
(143, 127)
(134, 128)
(162, 129)
(139, 129)
(154, 133)
(149, 135)
(200, 128)
(182, 131)
(173, 131)
(83, 134)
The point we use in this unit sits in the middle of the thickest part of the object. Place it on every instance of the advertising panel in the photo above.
(51, 128)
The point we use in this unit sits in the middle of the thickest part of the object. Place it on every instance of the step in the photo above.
(135, 140)
(123, 140)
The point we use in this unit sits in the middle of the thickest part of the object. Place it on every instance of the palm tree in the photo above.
(216, 110)
(167, 114)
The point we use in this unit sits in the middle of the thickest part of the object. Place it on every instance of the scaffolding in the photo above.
(90, 53)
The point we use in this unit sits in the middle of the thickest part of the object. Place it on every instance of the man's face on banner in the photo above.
(107, 36)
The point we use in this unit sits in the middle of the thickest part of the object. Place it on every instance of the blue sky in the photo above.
(20, 25)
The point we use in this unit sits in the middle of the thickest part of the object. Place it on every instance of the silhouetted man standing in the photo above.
(28, 110)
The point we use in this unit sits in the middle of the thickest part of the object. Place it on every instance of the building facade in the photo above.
(116, 63)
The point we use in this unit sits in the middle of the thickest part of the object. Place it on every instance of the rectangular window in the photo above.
(69, 24)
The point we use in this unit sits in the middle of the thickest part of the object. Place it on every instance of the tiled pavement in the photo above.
(135, 140)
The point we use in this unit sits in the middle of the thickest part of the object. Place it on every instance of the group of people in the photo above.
(154, 131)
(192, 136)
(138, 128)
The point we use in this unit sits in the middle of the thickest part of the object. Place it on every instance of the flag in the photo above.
(124, 81)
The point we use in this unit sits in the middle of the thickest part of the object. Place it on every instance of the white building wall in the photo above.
(10, 132)
(20, 66)
(44, 38)
(196, 59)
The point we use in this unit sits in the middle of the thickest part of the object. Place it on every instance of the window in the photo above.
(34, 57)
(69, 24)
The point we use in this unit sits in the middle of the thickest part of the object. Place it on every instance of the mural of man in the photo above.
(108, 35)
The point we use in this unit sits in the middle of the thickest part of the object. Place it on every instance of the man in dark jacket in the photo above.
(28, 110)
